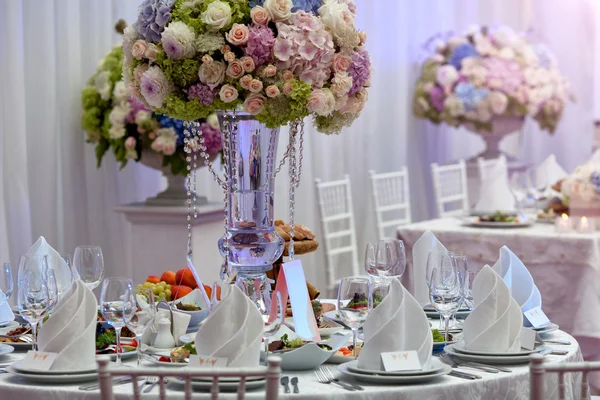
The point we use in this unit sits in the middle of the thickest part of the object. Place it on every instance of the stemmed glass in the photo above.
(384, 260)
(89, 263)
(6, 280)
(468, 288)
(69, 262)
(139, 312)
(112, 301)
(462, 266)
(354, 303)
(435, 259)
(272, 322)
(445, 292)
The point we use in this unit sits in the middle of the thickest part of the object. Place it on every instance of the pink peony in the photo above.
(341, 63)
(254, 104)
(151, 52)
(321, 102)
(238, 35)
(228, 93)
(235, 70)
(259, 16)
(154, 86)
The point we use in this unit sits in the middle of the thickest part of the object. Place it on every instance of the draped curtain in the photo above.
(50, 186)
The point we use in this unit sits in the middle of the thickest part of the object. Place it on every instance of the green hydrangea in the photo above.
(334, 123)
(282, 110)
(182, 73)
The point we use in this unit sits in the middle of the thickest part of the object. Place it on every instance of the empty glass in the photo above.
(89, 263)
(33, 298)
(6, 280)
(436, 260)
(272, 316)
(114, 291)
(462, 266)
(385, 259)
(445, 293)
(354, 303)
(139, 312)
(468, 288)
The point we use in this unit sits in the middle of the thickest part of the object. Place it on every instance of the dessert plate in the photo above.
(499, 360)
(54, 378)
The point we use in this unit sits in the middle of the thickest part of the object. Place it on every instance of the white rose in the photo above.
(454, 106)
(217, 15)
(102, 85)
(531, 76)
(213, 121)
(498, 102)
(530, 57)
(279, 10)
(142, 116)
(117, 115)
(507, 53)
(116, 131)
(120, 92)
(336, 17)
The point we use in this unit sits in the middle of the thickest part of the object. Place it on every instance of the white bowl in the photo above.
(194, 297)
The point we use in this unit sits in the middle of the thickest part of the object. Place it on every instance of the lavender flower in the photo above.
(153, 15)
(310, 6)
(260, 44)
(204, 94)
(154, 86)
(462, 51)
(360, 70)
(436, 98)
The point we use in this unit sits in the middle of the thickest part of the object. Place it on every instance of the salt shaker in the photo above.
(164, 339)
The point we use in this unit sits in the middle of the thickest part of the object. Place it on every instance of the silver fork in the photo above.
(152, 381)
(323, 379)
(445, 358)
(330, 376)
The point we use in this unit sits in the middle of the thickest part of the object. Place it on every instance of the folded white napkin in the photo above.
(518, 279)
(494, 192)
(426, 243)
(495, 323)
(233, 330)
(71, 330)
(397, 324)
(6, 314)
(62, 272)
(549, 172)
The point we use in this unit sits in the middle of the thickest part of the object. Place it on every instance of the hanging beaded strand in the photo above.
(188, 158)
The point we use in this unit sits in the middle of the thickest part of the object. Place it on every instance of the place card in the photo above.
(401, 361)
(528, 338)
(536, 317)
(38, 360)
(208, 362)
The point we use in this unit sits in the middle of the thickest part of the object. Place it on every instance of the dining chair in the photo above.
(339, 232)
(392, 201)
(271, 373)
(486, 166)
(450, 189)
(538, 370)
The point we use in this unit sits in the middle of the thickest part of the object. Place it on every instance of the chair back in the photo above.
(450, 189)
(539, 372)
(391, 199)
(339, 232)
(270, 373)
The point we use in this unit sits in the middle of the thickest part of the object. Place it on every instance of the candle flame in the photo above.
(565, 216)
(584, 219)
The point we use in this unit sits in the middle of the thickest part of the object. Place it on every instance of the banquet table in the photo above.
(565, 268)
(513, 385)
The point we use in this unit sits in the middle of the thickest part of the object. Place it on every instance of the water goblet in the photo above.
(139, 312)
(445, 292)
(354, 303)
(6, 280)
(89, 263)
(112, 300)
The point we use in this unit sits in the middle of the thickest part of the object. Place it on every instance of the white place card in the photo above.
(528, 338)
(38, 360)
(207, 362)
(401, 361)
(305, 324)
(536, 317)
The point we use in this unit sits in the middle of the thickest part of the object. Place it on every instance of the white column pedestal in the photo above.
(157, 240)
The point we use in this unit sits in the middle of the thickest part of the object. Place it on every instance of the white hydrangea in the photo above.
(117, 114)
(116, 131)
(102, 85)
(179, 32)
(120, 92)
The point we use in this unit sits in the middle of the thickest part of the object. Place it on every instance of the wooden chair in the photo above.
(390, 195)
(271, 372)
(339, 232)
(450, 189)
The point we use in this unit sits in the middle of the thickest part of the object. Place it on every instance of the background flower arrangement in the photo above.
(114, 119)
(583, 183)
(279, 60)
(489, 73)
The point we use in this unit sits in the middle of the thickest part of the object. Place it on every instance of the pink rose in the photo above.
(248, 63)
(270, 71)
(259, 16)
(139, 49)
(130, 143)
(212, 74)
(254, 104)
(151, 52)
(288, 75)
(256, 86)
(139, 71)
(229, 56)
(287, 88)
(235, 70)
(225, 49)
(238, 35)
(321, 102)
(169, 148)
(206, 59)
(246, 81)
(341, 63)
(228, 93)
(272, 91)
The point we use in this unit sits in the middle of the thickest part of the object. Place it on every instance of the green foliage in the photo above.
(282, 110)
(182, 73)
(101, 149)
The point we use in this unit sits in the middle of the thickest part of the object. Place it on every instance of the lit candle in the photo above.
(563, 224)
(585, 226)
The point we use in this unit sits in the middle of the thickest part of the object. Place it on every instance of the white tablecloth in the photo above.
(514, 385)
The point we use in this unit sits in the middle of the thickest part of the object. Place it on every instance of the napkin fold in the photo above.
(549, 172)
(232, 330)
(6, 314)
(397, 324)
(420, 251)
(495, 323)
(71, 330)
(518, 279)
(64, 275)
(494, 192)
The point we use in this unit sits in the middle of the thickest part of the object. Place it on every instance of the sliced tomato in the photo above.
(164, 359)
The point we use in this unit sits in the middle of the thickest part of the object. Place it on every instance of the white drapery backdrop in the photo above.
(49, 184)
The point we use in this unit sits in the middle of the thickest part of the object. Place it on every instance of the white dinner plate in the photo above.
(224, 386)
(478, 213)
(20, 346)
(124, 356)
(551, 327)
(435, 366)
(154, 360)
(5, 349)
(18, 367)
(503, 225)
(64, 378)
(460, 347)
(499, 360)
(339, 359)
(8, 326)
(332, 329)
(398, 379)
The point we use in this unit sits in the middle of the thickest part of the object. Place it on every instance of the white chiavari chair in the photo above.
(271, 373)
(450, 189)
(392, 201)
(339, 232)
(538, 371)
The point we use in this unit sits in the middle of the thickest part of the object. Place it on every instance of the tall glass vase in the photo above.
(251, 242)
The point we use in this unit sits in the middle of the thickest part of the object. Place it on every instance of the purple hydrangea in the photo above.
(470, 95)
(360, 70)
(260, 44)
(310, 6)
(436, 97)
(202, 93)
(153, 15)
(461, 52)
(212, 138)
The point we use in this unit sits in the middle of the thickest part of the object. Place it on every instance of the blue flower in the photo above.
(461, 52)
(254, 3)
(470, 95)
(176, 124)
(544, 55)
(310, 6)
(153, 15)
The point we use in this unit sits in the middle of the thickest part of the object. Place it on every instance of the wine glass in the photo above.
(33, 300)
(445, 292)
(385, 259)
(112, 302)
(435, 259)
(69, 262)
(462, 266)
(272, 316)
(354, 303)
(89, 263)
(6, 280)
(468, 288)
(139, 312)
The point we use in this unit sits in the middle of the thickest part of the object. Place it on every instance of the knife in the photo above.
(464, 375)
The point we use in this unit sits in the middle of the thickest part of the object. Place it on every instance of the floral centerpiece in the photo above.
(489, 74)
(581, 192)
(279, 60)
